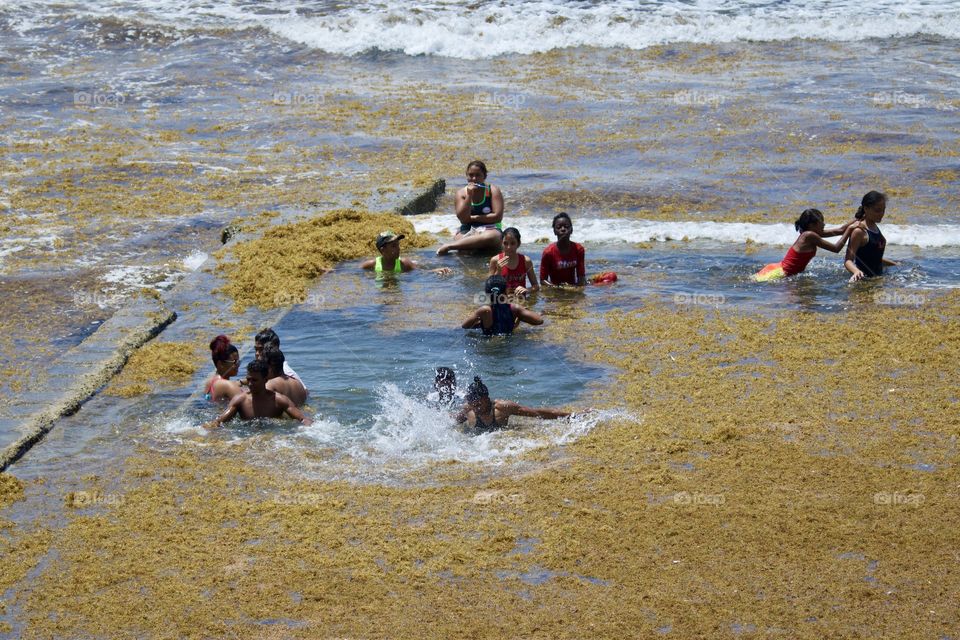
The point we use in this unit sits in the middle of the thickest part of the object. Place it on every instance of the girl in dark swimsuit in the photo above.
(482, 415)
(499, 317)
(865, 252)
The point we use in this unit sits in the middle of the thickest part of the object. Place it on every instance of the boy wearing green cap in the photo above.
(388, 244)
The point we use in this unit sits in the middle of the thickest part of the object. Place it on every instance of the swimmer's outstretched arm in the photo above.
(227, 415)
(836, 231)
(513, 409)
(410, 265)
(830, 246)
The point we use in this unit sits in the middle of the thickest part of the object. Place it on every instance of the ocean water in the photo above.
(683, 137)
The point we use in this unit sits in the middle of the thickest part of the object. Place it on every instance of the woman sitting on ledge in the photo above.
(479, 208)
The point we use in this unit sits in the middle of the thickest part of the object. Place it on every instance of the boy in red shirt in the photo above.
(563, 261)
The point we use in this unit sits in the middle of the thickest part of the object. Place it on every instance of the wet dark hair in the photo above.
(221, 349)
(445, 376)
(479, 165)
(512, 231)
(560, 216)
(808, 217)
(268, 336)
(872, 198)
(274, 358)
(257, 366)
(496, 288)
(477, 391)
(445, 383)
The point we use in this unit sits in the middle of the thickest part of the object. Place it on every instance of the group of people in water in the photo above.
(273, 389)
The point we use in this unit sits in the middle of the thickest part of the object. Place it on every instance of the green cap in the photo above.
(388, 236)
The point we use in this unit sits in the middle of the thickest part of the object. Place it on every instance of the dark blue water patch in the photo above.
(343, 357)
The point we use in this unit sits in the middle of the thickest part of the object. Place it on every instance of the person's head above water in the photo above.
(257, 376)
(872, 206)
(478, 396)
(810, 220)
(476, 172)
(562, 226)
(225, 356)
(445, 383)
(511, 240)
(388, 244)
(496, 289)
(266, 337)
(274, 359)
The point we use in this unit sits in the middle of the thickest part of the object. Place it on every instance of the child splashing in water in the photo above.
(481, 414)
(515, 267)
(810, 225)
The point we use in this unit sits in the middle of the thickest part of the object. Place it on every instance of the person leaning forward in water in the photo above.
(388, 244)
(480, 414)
(278, 381)
(479, 208)
(260, 402)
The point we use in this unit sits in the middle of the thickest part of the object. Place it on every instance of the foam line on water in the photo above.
(620, 231)
(449, 29)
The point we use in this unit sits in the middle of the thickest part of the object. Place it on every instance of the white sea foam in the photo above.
(407, 433)
(195, 260)
(488, 28)
(619, 231)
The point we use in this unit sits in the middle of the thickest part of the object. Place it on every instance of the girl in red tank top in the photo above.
(513, 266)
(812, 232)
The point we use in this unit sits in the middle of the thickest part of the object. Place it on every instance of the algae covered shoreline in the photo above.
(766, 489)
(789, 473)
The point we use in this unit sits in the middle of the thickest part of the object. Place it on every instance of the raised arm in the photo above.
(836, 231)
(496, 209)
(833, 246)
(494, 266)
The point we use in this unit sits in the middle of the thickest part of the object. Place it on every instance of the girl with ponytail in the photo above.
(499, 316)
(226, 360)
(515, 267)
(865, 252)
(810, 225)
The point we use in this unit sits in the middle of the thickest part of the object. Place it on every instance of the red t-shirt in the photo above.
(563, 268)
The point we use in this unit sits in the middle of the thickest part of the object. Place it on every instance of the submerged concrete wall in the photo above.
(90, 365)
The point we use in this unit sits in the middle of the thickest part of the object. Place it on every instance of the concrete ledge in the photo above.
(424, 202)
(416, 202)
(91, 365)
(93, 362)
